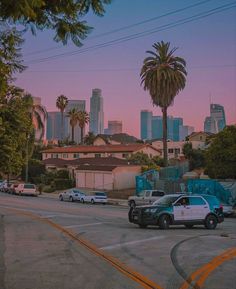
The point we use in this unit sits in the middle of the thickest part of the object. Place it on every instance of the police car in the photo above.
(179, 209)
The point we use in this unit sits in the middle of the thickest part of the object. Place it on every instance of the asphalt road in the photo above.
(47, 244)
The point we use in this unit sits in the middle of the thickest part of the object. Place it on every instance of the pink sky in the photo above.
(207, 44)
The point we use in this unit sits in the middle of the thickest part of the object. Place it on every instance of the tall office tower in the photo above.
(177, 122)
(96, 124)
(38, 132)
(173, 124)
(146, 124)
(80, 106)
(157, 127)
(216, 122)
(184, 131)
(53, 131)
(114, 126)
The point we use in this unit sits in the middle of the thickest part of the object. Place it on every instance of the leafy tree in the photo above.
(63, 16)
(140, 158)
(221, 154)
(61, 103)
(164, 76)
(73, 114)
(196, 157)
(16, 126)
(89, 138)
(10, 58)
(83, 119)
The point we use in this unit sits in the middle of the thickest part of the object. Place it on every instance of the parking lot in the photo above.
(99, 241)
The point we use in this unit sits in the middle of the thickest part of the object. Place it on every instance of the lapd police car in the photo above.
(179, 209)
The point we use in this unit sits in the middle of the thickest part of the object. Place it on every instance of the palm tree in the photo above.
(61, 103)
(73, 114)
(38, 114)
(164, 76)
(83, 119)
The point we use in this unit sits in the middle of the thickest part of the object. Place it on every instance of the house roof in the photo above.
(200, 132)
(100, 149)
(109, 161)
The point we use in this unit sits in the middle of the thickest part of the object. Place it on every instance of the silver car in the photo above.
(71, 195)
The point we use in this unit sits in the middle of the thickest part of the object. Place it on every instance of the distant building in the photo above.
(146, 125)
(114, 126)
(152, 126)
(53, 131)
(216, 121)
(96, 124)
(184, 131)
(80, 105)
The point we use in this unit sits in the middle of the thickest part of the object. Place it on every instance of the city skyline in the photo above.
(208, 44)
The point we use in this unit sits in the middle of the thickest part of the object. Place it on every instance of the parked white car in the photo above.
(94, 197)
(71, 195)
(26, 189)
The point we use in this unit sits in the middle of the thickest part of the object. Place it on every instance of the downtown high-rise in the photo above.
(96, 124)
(216, 121)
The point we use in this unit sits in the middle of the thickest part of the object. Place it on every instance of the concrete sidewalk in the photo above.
(111, 201)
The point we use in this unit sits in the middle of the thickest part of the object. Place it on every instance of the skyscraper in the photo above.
(216, 122)
(80, 106)
(96, 124)
(157, 127)
(146, 125)
(185, 130)
(114, 126)
(53, 125)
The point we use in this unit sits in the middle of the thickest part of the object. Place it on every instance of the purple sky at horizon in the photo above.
(208, 45)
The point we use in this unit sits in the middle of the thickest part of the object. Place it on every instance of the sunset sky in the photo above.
(112, 56)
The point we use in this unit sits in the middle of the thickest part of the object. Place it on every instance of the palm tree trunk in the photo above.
(72, 133)
(82, 135)
(164, 113)
(62, 126)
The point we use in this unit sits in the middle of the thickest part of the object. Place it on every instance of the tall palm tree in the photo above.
(83, 119)
(73, 114)
(61, 103)
(38, 114)
(89, 138)
(164, 76)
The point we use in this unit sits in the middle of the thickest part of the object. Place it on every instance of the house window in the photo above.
(55, 156)
(76, 156)
(97, 155)
(170, 151)
(125, 155)
(65, 156)
(177, 151)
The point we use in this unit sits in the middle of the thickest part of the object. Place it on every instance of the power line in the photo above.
(140, 34)
(126, 27)
(127, 69)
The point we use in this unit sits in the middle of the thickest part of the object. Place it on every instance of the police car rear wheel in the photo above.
(210, 222)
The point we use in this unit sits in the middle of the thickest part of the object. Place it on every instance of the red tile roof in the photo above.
(99, 149)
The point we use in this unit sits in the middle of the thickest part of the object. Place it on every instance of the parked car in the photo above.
(146, 197)
(71, 195)
(95, 197)
(179, 209)
(26, 189)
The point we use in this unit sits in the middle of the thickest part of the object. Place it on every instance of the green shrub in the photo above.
(61, 184)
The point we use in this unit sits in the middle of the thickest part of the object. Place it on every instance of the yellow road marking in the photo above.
(203, 272)
(140, 279)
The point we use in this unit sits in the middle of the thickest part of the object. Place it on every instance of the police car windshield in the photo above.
(166, 200)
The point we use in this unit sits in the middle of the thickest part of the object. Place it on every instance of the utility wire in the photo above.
(141, 34)
(125, 27)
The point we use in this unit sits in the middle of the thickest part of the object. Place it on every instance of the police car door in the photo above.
(198, 208)
(181, 209)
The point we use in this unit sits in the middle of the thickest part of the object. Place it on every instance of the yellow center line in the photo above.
(124, 269)
(203, 272)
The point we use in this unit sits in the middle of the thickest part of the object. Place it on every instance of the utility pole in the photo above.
(27, 159)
